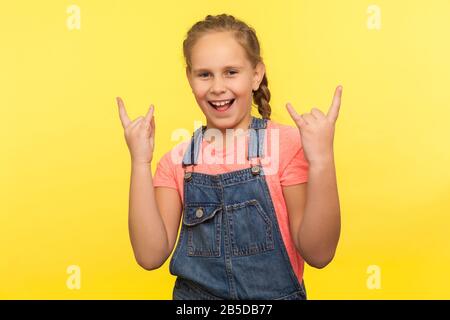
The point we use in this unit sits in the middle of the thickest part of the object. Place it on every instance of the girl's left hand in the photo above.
(317, 130)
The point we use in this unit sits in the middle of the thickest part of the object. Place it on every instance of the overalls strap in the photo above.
(255, 146)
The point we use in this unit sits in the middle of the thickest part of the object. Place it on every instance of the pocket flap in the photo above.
(195, 214)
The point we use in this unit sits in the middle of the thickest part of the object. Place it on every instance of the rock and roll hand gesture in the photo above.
(317, 129)
(139, 134)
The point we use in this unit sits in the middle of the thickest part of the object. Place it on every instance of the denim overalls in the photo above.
(230, 244)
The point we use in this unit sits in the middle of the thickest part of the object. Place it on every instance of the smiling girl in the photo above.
(247, 225)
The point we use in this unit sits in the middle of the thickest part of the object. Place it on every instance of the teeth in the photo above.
(219, 104)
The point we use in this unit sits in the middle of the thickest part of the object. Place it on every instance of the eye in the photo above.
(232, 72)
(201, 75)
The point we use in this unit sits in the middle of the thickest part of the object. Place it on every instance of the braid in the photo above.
(262, 97)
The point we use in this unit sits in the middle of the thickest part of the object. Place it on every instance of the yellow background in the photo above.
(65, 167)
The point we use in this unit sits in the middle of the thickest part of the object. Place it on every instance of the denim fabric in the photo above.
(230, 245)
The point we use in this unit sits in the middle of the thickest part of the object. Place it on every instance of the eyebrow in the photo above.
(226, 67)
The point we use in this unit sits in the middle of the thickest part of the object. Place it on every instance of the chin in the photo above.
(223, 123)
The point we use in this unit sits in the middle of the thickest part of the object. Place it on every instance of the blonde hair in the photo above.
(245, 36)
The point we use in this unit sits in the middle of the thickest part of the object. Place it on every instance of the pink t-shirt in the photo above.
(283, 162)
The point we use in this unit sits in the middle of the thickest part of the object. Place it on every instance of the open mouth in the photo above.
(223, 105)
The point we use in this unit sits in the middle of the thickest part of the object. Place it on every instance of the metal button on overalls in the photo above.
(255, 170)
(199, 213)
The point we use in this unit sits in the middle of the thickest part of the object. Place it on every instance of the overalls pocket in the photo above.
(251, 230)
(203, 224)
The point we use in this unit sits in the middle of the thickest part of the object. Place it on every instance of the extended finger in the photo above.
(153, 126)
(124, 119)
(333, 112)
(152, 122)
(149, 115)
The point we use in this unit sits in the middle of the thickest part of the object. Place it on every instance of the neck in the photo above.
(243, 125)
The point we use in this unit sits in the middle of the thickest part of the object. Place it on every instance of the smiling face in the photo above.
(221, 72)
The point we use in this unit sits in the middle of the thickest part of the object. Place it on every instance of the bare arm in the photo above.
(147, 231)
(314, 215)
(153, 216)
(317, 222)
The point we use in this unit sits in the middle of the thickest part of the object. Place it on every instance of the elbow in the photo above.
(317, 256)
(149, 264)
(320, 261)
(319, 264)
(316, 259)
(152, 261)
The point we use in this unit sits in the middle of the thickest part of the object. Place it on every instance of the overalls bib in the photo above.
(230, 244)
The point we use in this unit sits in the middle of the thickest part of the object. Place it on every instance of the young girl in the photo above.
(248, 218)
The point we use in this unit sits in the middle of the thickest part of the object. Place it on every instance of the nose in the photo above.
(217, 86)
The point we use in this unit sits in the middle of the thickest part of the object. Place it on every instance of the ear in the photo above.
(260, 70)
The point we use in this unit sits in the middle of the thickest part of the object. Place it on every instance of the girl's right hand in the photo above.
(139, 134)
